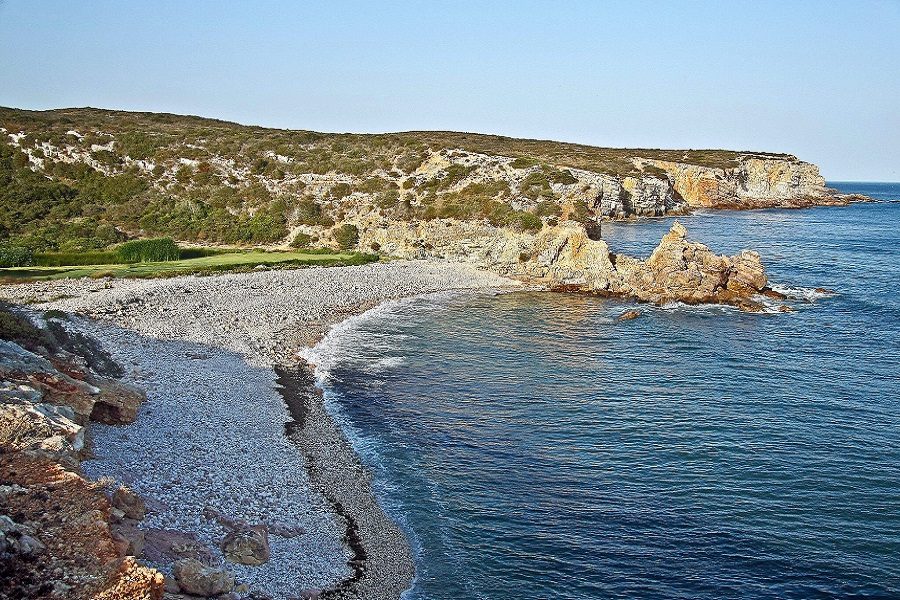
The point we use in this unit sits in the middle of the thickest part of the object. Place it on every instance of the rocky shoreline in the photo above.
(208, 450)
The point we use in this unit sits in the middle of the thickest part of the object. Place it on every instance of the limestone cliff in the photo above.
(753, 182)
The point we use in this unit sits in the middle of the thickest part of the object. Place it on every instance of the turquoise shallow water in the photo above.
(533, 447)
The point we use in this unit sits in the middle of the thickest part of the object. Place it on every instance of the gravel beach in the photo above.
(217, 357)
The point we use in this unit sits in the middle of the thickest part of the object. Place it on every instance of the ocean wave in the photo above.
(806, 294)
(383, 364)
(694, 308)
(353, 341)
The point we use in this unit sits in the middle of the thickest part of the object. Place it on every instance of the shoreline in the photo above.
(389, 570)
(181, 332)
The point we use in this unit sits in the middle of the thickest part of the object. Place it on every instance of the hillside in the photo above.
(78, 179)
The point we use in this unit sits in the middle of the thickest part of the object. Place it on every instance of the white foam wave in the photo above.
(353, 340)
(682, 306)
(806, 294)
(384, 364)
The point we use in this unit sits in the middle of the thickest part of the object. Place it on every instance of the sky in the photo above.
(819, 79)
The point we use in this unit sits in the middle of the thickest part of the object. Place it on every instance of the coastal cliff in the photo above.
(95, 177)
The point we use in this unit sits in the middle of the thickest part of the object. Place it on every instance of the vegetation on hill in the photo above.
(77, 180)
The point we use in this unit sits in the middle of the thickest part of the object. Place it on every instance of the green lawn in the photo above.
(237, 261)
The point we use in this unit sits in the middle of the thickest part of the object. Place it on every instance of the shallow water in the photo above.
(533, 447)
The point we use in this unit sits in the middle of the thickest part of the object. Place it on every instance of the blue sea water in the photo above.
(534, 447)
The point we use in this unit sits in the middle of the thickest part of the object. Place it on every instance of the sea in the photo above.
(533, 446)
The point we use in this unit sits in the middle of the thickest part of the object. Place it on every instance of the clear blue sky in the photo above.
(820, 79)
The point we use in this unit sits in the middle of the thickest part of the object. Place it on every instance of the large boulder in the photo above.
(202, 580)
(247, 545)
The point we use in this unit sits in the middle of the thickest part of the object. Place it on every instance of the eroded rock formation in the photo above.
(565, 257)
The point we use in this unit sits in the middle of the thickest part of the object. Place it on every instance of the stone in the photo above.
(132, 535)
(129, 503)
(196, 578)
(247, 545)
(629, 315)
(18, 540)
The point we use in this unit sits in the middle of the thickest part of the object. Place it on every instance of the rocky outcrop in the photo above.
(60, 537)
(678, 270)
(564, 256)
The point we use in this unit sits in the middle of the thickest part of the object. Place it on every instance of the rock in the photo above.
(132, 535)
(116, 403)
(677, 270)
(171, 586)
(26, 425)
(753, 182)
(247, 545)
(775, 295)
(629, 315)
(196, 578)
(18, 540)
(129, 503)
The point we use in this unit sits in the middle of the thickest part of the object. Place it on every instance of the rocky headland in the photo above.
(566, 257)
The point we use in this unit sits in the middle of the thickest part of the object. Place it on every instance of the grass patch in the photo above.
(69, 259)
(231, 261)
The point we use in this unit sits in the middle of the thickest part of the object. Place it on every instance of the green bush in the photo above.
(563, 176)
(347, 236)
(523, 163)
(301, 240)
(150, 250)
(15, 256)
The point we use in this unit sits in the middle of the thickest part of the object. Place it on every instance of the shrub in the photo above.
(301, 240)
(186, 253)
(547, 208)
(563, 176)
(15, 256)
(309, 212)
(17, 328)
(523, 163)
(149, 250)
(347, 236)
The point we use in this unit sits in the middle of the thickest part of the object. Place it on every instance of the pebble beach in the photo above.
(217, 357)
